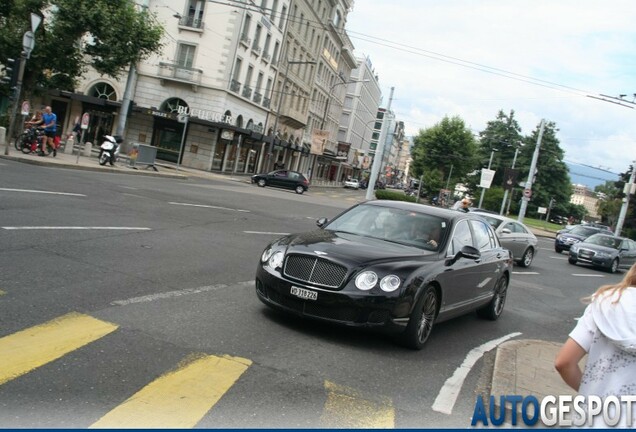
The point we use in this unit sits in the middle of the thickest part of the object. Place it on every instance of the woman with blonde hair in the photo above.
(607, 333)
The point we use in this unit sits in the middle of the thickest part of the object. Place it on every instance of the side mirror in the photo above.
(322, 222)
(506, 231)
(470, 252)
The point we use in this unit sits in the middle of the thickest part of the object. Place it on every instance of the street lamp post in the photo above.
(270, 151)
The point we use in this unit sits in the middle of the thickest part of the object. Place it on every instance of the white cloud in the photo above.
(575, 48)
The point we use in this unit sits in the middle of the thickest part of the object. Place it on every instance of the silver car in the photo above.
(514, 236)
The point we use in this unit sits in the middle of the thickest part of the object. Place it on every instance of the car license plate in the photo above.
(304, 293)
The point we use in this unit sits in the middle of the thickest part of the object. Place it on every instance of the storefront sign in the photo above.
(343, 150)
(318, 141)
(206, 115)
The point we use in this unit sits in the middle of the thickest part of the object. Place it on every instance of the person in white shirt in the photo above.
(607, 334)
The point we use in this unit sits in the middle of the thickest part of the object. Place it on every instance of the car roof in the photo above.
(423, 208)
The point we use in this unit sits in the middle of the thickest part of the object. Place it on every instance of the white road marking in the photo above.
(525, 273)
(265, 233)
(41, 192)
(209, 206)
(445, 400)
(558, 258)
(587, 275)
(172, 294)
(75, 228)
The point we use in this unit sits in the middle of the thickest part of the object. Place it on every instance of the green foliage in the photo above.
(501, 139)
(492, 199)
(384, 194)
(107, 35)
(446, 150)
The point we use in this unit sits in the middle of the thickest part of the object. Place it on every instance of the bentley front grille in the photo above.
(315, 271)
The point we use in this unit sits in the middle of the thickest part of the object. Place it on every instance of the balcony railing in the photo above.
(247, 91)
(257, 97)
(191, 22)
(175, 72)
(235, 86)
(256, 50)
(245, 39)
(266, 102)
(266, 57)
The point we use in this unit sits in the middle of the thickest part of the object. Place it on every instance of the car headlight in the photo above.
(574, 249)
(266, 254)
(276, 260)
(390, 283)
(366, 280)
(603, 255)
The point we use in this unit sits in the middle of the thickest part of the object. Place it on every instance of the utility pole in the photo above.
(505, 197)
(527, 192)
(377, 159)
(629, 189)
(483, 189)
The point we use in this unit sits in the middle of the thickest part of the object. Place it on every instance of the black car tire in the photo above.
(527, 257)
(261, 182)
(422, 320)
(572, 260)
(493, 310)
(300, 189)
(614, 266)
(557, 249)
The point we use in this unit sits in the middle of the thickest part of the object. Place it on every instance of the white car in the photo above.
(352, 183)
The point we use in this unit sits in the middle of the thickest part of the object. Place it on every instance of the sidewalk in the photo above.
(523, 367)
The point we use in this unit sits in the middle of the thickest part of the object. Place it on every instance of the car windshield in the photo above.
(583, 231)
(391, 224)
(604, 240)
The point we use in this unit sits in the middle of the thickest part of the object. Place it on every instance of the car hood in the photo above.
(572, 236)
(352, 249)
(597, 248)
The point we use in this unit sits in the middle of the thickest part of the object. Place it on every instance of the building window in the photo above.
(195, 14)
(103, 91)
(281, 23)
(274, 8)
(185, 55)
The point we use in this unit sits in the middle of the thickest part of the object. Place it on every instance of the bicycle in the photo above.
(32, 140)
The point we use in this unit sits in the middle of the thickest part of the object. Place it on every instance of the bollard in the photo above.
(3, 135)
(88, 148)
(68, 147)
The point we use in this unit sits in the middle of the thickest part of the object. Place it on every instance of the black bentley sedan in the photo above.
(395, 266)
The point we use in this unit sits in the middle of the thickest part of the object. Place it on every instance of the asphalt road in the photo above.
(135, 284)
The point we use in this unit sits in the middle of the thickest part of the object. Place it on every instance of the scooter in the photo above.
(109, 150)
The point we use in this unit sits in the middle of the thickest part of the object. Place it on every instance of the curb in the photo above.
(97, 168)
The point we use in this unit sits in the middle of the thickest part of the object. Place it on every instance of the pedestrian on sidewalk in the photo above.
(607, 333)
(50, 129)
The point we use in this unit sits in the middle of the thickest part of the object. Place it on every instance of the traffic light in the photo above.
(11, 72)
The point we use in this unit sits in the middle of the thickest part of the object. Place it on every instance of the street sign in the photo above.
(25, 108)
(527, 193)
(85, 120)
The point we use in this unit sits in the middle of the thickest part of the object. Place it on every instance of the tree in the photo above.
(552, 179)
(444, 152)
(107, 35)
(609, 202)
(501, 139)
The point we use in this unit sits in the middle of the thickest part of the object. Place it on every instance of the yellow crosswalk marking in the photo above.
(31, 348)
(347, 408)
(180, 398)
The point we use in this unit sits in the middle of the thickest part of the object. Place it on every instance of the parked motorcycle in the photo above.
(109, 150)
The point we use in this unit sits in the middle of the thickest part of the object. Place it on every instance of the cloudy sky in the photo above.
(540, 58)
